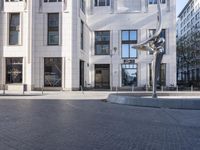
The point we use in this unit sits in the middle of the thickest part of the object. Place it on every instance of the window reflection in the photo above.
(52, 72)
(162, 75)
(129, 74)
(14, 70)
(102, 42)
(14, 29)
(129, 37)
(53, 29)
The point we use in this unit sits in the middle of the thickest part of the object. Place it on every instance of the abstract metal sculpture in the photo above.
(154, 44)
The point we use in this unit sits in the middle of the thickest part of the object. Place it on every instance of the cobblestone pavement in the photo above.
(95, 125)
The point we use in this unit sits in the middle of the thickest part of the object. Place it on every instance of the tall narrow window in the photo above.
(129, 37)
(82, 35)
(53, 29)
(14, 29)
(102, 42)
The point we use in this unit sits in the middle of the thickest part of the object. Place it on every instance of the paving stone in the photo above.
(95, 125)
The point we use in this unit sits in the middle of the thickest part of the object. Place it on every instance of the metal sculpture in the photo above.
(155, 45)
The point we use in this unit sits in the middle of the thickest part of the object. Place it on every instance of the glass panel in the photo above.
(102, 42)
(105, 49)
(105, 36)
(102, 3)
(13, 70)
(125, 35)
(133, 35)
(14, 29)
(129, 75)
(162, 76)
(52, 72)
(125, 50)
(53, 29)
(133, 52)
(102, 76)
(108, 2)
(53, 38)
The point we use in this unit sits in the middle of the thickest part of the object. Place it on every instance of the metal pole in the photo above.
(23, 89)
(82, 90)
(4, 89)
(133, 88)
(111, 72)
(162, 88)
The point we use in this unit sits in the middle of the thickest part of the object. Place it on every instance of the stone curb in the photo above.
(172, 103)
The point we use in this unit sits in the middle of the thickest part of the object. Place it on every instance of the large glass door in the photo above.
(52, 72)
(14, 70)
(102, 75)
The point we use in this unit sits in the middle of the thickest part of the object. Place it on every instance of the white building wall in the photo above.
(120, 15)
(141, 20)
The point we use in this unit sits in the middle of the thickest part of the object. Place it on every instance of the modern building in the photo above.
(188, 36)
(68, 44)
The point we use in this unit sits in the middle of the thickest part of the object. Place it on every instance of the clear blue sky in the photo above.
(179, 5)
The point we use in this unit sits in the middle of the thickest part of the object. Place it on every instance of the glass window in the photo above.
(102, 42)
(129, 37)
(162, 76)
(14, 70)
(82, 5)
(102, 75)
(129, 74)
(52, 0)
(155, 1)
(13, 0)
(102, 3)
(82, 35)
(53, 29)
(14, 28)
(52, 72)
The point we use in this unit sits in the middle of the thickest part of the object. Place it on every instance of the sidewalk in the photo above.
(59, 95)
(91, 95)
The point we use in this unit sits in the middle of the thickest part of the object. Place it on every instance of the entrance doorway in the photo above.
(82, 74)
(102, 76)
(52, 72)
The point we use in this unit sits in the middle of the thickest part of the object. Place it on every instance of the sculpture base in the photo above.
(169, 100)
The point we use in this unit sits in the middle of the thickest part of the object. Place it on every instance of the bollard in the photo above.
(192, 88)
(116, 89)
(82, 90)
(162, 88)
(133, 88)
(146, 88)
(42, 90)
(177, 88)
(24, 88)
(4, 89)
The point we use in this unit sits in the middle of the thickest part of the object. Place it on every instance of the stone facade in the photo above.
(77, 25)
